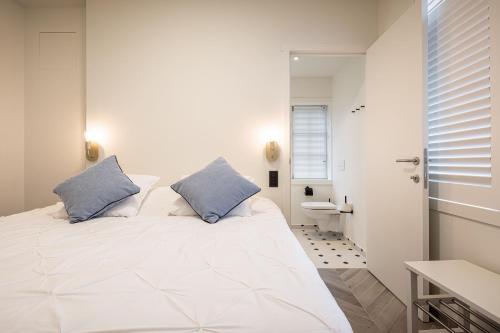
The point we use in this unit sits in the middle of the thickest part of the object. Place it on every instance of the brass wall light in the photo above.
(92, 139)
(272, 151)
(91, 151)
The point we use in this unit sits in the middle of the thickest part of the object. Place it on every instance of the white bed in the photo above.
(159, 273)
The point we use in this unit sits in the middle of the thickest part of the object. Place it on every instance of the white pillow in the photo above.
(128, 207)
(184, 209)
(160, 202)
(59, 214)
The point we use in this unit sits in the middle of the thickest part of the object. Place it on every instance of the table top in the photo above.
(469, 283)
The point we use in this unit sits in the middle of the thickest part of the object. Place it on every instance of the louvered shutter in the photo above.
(459, 99)
(310, 146)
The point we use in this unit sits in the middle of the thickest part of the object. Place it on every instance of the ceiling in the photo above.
(51, 3)
(315, 65)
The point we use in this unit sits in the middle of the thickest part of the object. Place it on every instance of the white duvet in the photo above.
(160, 274)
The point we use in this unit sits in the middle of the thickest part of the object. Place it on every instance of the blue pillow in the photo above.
(215, 190)
(95, 190)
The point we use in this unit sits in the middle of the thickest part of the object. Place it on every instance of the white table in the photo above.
(470, 284)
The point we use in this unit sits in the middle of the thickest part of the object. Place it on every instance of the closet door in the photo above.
(396, 191)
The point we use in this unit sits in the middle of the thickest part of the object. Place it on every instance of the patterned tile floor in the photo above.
(328, 249)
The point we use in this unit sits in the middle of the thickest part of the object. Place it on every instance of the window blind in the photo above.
(459, 101)
(310, 146)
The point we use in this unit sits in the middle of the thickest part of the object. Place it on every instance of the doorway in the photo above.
(326, 102)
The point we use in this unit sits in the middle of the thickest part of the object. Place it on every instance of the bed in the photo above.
(160, 273)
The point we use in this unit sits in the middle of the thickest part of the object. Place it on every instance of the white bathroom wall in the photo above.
(310, 87)
(175, 84)
(11, 107)
(54, 100)
(348, 93)
(309, 90)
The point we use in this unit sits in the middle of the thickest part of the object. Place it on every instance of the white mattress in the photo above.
(160, 274)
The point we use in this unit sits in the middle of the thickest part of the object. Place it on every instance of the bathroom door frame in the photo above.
(287, 53)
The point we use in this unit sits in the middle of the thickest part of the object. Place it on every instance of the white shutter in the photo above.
(310, 146)
(459, 99)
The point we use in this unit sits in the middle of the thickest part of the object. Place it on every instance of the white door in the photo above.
(397, 206)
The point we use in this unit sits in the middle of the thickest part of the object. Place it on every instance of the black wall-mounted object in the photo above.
(358, 109)
(308, 191)
(273, 178)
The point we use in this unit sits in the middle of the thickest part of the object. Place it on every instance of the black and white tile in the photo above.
(329, 249)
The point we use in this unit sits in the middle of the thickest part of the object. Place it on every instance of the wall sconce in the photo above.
(92, 145)
(272, 151)
(91, 151)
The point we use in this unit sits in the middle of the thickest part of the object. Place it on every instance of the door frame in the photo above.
(287, 52)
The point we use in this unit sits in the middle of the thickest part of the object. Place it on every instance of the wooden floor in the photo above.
(368, 304)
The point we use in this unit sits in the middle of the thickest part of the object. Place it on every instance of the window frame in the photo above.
(329, 139)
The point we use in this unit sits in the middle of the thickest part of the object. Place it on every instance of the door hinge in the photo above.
(426, 168)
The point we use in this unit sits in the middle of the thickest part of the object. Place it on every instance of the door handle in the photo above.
(415, 160)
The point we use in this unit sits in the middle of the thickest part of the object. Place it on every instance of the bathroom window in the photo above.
(310, 142)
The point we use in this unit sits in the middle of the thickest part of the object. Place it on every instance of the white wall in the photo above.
(348, 93)
(453, 237)
(175, 84)
(311, 87)
(54, 100)
(389, 11)
(11, 107)
(309, 90)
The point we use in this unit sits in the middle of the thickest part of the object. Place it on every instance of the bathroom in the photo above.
(326, 118)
